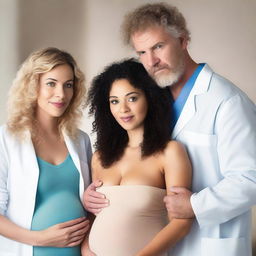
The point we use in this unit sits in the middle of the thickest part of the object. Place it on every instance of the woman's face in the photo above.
(55, 91)
(128, 105)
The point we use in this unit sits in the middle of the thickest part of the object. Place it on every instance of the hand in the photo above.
(178, 204)
(93, 200)
(66, 234)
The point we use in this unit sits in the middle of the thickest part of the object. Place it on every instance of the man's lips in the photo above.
(158, 69)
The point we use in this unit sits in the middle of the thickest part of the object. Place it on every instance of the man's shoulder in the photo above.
(223, 89)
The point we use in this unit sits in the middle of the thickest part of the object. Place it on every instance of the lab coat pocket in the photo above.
(223, 247)
(199, 139)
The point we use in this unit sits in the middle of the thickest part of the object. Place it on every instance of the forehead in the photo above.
(149, 37)
(60, 71)
(121, 87)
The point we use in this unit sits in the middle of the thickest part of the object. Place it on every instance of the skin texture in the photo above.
(157, 49)
(55, 86)
(163, 170)
(154, 46)
(128, 105)
(163, 56)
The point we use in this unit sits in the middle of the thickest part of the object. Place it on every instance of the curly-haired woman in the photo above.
(44, 159)
(137, 163)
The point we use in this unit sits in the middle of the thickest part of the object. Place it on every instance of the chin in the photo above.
(167, 80)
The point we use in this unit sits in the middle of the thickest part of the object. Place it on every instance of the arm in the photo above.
(235, 193)
(70, 233)
(93, 200)
(177, 171)
(67, 234)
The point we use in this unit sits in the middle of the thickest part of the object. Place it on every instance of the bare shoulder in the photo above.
(175, 149)
(177, 166)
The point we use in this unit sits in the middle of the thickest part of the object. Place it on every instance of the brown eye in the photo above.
(132, 99)
(50, 84)
(114, 102)
(69, 85)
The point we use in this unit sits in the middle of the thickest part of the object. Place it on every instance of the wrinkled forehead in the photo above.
(149, 37)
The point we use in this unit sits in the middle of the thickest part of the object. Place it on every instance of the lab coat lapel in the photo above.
(73, 150)
(201, 86)
(29, 161)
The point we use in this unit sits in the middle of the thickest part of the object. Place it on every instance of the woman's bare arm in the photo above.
(177, 171)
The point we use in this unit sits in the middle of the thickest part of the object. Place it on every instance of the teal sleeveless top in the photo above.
(57, 200)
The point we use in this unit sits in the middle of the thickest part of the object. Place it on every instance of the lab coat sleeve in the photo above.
(235, 194)
(3, 174)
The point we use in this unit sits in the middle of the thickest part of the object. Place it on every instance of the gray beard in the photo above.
(171, 78)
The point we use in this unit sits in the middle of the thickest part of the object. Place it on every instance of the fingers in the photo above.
(75, 241)
(80, 226)
(95, 184)
(77, 237)
(71, 223)
(93, 200)
(96, 208)
(80, 232)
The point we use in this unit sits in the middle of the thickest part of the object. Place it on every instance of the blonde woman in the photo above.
(44, 159)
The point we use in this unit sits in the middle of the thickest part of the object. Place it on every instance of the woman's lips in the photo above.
(126, 118)
(58, 104)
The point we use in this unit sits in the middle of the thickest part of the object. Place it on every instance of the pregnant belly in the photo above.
(118, 232)
(58, 208)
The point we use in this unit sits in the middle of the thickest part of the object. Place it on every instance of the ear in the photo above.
(183, 42)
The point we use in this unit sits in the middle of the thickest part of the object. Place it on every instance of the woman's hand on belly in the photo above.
(66, 234)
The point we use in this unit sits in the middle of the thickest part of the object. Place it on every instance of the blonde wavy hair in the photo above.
(22, 100)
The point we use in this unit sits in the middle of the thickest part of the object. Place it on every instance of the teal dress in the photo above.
(57, 201)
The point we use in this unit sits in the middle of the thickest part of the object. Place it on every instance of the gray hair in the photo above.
(148, 15)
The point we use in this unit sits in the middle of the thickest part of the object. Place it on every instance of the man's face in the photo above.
(162, 55)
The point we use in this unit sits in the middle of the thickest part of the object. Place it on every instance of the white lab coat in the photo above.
(218, 128)
(19, 174)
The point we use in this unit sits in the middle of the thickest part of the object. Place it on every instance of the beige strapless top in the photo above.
(135, 215)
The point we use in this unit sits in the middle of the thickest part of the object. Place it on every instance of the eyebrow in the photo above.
(152, 47)
(128, 94)
(53, 79)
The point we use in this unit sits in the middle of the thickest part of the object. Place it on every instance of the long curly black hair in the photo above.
(112, 139)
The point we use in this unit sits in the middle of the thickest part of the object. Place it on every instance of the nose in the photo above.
(59, 91)
(123, 107)
(152, 59)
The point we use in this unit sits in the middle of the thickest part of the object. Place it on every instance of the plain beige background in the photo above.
(223, 35)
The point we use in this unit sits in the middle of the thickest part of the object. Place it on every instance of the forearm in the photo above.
(14, 232)
(230, 198)
(167, 237)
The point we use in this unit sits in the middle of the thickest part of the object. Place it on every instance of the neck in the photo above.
(45, 124)
(190, 67)
(135, 138)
